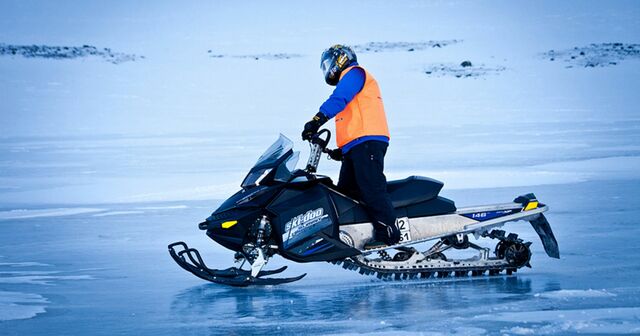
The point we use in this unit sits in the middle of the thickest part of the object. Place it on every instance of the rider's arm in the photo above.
(348, 87)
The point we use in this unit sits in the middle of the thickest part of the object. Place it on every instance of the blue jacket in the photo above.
(348, 87)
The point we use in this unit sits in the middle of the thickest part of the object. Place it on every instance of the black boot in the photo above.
(384, 236)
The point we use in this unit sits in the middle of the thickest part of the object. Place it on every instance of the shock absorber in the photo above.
(262, 227)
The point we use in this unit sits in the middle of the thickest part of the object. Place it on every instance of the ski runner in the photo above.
(362, 138)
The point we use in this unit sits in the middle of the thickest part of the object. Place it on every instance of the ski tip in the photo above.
(178, 243)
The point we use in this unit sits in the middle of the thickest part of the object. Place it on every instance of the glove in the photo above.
(335, 154)
(312, 127)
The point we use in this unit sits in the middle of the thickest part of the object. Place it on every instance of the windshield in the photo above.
(279, 157)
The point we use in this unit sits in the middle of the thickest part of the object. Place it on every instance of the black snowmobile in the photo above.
(301, 216)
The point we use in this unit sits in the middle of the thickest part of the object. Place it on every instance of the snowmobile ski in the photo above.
(191, 260)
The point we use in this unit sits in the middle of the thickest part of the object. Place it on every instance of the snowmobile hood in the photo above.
(242, 198)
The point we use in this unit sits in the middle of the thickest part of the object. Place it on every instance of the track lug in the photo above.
(443, 274)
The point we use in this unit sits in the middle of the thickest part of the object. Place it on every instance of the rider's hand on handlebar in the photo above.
(312, 127)
(335, 154)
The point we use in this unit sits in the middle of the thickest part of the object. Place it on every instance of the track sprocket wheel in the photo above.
(517, 254)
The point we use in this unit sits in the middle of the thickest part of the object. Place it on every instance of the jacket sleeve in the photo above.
(348, 87)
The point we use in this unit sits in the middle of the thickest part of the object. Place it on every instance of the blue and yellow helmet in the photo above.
(334, 60)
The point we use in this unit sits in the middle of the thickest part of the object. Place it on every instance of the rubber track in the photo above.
(422, 273)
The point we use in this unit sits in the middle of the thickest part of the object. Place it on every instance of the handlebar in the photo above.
(318, 146)
(318, 140)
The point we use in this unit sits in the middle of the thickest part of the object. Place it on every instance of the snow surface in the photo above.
(102, 165)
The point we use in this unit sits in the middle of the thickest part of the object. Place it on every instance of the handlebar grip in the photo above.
(316, 139)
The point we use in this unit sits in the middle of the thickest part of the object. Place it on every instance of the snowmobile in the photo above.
(303, 217)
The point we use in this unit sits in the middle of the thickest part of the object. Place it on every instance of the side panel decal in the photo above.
(487, 215)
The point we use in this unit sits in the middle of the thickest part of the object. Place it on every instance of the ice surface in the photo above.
(118, 213)
(40, 279)
(23, 264)
(594, 321)
(116, 260)
(16, 305)
(574, 293)
(36, 213)
(102, 165)
(168, 207)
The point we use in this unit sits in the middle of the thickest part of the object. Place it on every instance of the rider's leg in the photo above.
(368, 166)
(347, 180)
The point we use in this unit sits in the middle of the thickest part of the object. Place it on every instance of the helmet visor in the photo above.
(325, 65)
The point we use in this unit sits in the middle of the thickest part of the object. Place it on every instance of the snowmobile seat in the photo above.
(349, 212)
(412, 190)
(414, 196)
(433, 207)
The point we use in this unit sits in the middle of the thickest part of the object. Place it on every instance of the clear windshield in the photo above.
(273, 158)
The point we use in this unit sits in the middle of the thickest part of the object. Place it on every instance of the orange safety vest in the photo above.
(364, 115)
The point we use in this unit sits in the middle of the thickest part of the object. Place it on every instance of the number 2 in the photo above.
(401, 224)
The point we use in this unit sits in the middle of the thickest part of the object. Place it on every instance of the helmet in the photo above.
(334, 60)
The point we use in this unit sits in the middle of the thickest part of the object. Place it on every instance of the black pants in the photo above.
(362, 178)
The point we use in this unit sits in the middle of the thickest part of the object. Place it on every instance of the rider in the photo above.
(362, 137)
